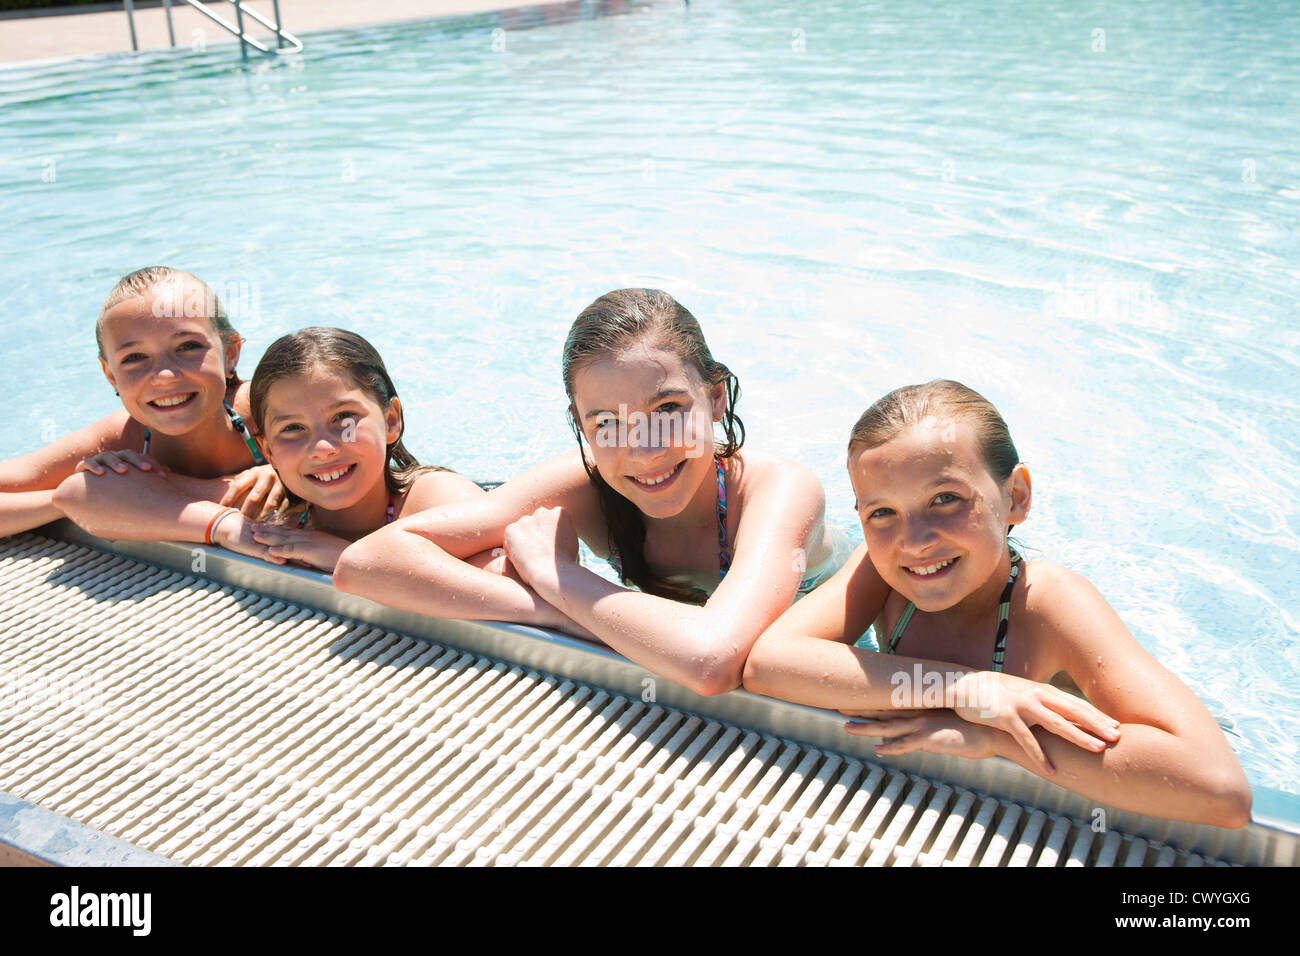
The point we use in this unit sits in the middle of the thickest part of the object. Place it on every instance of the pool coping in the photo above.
(30, 835)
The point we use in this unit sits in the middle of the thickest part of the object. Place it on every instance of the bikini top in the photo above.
(235, 419)
(1004, 614)
(388, 519)
(724, 555)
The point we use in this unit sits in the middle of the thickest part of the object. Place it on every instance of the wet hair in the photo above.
(610, 325)
(942, 398)
(143, 281)
(305, 351)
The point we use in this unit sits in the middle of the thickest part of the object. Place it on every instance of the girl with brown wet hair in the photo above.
(711, 542)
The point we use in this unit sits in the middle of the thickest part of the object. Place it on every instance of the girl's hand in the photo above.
(234, 532)
(315, 548)
(536, 544)
(1013, 705)
(929, 731)
(546, 615)
(254, 491)
(120, 461)
(495, 562)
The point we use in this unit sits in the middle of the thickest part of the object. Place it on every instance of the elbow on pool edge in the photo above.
(716, 674)
(69, 491)
(1225, 795)
(69, 496)
(1234, 801)
(714, 683)
(351, 571)
(753, 676)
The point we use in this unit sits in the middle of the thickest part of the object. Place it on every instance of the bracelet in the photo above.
(216, 520)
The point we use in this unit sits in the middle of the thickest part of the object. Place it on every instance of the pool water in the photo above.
(1089, 212)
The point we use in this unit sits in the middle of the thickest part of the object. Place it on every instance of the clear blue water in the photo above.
(851, 196)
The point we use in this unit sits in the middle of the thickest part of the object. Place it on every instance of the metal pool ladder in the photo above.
(285, 42)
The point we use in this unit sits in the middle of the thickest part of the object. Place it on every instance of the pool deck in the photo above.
(239, 714)
(57, 32)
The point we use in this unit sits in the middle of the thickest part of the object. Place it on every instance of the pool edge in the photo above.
(1272, 838)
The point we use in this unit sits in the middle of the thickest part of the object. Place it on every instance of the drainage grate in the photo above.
(216, 726)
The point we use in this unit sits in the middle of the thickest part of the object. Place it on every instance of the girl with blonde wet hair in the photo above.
(167, 348)
(939, 484)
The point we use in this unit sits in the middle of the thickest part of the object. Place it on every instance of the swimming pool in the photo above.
(1096, 229)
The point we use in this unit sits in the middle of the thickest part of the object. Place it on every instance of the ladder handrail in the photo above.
(281, 35)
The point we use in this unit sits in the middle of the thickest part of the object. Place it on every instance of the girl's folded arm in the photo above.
(137, 506)
(1172, 759)
(420, 562)
(808, 657)
(27, 483)
(704, 648)
(146, 505)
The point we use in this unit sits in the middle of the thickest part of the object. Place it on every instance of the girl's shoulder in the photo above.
(763, 474)
(1048, 584)
(560, 481)
(115, 431)
(432, 487)
(1048, 575)
(1062, 609)
(241, 403)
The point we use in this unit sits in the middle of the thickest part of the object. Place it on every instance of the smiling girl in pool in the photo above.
(939, 484)
(330, 422)
(169, 351)
(717, 542)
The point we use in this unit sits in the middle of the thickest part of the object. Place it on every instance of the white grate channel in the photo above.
(217, 726)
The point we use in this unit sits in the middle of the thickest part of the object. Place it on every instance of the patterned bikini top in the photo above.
(388, 519)
(724, 556)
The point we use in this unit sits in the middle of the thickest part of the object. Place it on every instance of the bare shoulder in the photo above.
(563, 474)
(433, 488)
(1054, 593)
(1076, 627)
(764, 475)
(473, 514)
(563, 481)
(1056, 600)
(1046, 578)
(241, 403)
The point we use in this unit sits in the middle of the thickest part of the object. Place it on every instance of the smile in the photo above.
(928, 570)
(173, 401)
(658, 480)
(334, 474)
